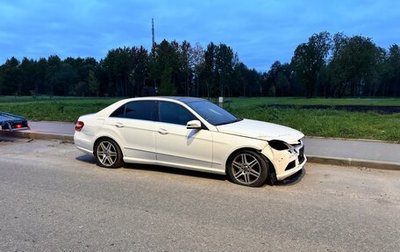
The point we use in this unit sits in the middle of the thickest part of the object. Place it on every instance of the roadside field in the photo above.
(55, 109)
(324, 122)
(313, 122)
(316, 101)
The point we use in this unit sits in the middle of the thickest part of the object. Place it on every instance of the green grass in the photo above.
(315, 101)
(63, 109)
(324, 122)
(330, 123)
(13, 99)
(312, 122)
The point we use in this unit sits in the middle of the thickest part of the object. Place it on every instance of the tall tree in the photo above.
(139, 72)
(28, 77)
(240, 83)
(355, 66)
(41, 71)
(165, 67)
(218, 69)
(245, 81)
(225, 61)
(209, 69)
(309, 58)
(392, 72)
(348, 66)
(121, 65)
(53, 66)
(196, 60)
(278, 79)
(117, 65)
(11, 77)
(185, 69)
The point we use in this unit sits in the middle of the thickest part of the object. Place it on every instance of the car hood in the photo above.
(262, 130)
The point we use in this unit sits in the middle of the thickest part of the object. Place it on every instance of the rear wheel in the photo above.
(247, 168)
(108, 154)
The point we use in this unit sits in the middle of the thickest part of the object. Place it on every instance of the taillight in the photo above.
(18, 125)
(79, 125)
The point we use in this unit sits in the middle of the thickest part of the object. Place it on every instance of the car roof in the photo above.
(183, 99)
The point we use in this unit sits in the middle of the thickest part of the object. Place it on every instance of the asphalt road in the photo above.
(52, 197)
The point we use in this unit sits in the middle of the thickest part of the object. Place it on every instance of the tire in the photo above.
(247, 168)
(108, 154)
(271, 179)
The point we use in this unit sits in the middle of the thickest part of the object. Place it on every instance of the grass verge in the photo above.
(66, 110)
(331, 123)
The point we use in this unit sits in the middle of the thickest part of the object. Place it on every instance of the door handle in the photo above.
(119, 125)
(162, 131)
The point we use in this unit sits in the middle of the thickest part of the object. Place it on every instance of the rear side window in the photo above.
(141, 110)
(174, 113)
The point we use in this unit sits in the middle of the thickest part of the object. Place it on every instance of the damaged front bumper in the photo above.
(286, 160)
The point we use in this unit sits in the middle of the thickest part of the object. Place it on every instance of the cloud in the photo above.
(261, 31)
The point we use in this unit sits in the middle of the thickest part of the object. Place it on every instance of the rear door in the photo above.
(134, 123)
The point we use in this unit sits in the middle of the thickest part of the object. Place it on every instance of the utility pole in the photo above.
(153, 43)
(153, 50)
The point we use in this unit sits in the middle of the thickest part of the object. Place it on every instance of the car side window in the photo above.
(120, 112)
(174, 113)
(141, 110)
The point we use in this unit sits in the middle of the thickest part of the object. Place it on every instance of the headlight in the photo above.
(278, 145)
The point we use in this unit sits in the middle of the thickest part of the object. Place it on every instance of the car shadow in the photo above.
(157, 168)
(177, 171)
(86, 158)
(3, 139)
(292, 180)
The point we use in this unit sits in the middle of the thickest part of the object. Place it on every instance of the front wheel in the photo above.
(108, 154)
(247, 168)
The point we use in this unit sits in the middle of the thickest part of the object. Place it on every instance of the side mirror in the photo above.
(194, 124)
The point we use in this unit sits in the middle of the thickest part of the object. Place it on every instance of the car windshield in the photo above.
(212, 113)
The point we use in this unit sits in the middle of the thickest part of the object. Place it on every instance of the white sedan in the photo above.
(190, 133)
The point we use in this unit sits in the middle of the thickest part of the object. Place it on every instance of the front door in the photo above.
(178, 146)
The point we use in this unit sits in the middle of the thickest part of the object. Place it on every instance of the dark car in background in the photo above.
(11, 122)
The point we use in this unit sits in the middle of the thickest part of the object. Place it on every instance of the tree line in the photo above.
(326, 65)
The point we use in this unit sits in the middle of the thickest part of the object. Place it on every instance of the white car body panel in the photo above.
(189, 147)
(262, 130)
(173, 145)
(138, 137)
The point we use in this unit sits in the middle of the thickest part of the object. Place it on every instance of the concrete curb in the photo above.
(311, 158)
(352, 139)
(38, 135)
(354, 162)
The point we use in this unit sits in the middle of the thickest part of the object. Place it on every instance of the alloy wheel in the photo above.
(246, 169)
(107, 153)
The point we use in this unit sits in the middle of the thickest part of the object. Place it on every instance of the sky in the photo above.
(260, 31)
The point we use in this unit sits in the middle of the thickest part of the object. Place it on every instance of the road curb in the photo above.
(38, 135)
(311, 158)
(352, 139)
(382, 165)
